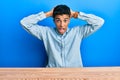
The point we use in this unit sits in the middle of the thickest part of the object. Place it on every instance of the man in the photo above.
(62, 44)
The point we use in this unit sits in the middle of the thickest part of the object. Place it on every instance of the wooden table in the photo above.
(87, 73)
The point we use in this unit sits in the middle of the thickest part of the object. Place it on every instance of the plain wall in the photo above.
(20, 49)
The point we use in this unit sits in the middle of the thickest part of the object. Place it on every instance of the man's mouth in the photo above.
(61, 30)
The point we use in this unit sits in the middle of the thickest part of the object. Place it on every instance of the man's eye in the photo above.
(57, 20)
(65, 20)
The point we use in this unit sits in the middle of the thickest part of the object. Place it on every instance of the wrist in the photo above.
(76, 14)
(48, 14)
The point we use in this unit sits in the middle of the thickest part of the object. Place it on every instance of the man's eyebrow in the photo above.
(66, 18)
(57, 18)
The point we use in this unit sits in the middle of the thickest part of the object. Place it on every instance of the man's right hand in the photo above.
(49, 13)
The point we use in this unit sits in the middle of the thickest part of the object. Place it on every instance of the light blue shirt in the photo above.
(62, 50)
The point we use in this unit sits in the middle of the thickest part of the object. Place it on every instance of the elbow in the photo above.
(101, 21)
(23, 23)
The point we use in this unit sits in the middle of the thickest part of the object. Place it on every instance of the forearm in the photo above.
(93, 23)
(27, 22)
(30, 24)
(91, 19)
(48, 14)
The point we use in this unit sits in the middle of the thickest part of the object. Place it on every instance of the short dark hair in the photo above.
(60, 10)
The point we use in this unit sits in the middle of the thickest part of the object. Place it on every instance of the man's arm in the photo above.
(93, 22)
(30, 24)
(49, 13)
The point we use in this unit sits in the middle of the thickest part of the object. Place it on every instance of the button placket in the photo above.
(62, 50)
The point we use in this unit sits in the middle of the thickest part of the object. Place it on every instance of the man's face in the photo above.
(61, 22)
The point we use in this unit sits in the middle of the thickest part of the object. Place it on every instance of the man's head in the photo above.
(61, 15)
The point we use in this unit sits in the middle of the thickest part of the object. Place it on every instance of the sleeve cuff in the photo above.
(81, 14)
(41, 15)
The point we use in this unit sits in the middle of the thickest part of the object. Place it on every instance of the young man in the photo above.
(61, 43)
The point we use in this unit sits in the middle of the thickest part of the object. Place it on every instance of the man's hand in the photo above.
(74, 14)
(49, 13)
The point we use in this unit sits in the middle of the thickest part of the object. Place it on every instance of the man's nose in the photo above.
(61, 24)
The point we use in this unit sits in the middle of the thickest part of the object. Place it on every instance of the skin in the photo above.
(62, 21)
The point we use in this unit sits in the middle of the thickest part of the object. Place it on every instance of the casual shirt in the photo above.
(62, 50)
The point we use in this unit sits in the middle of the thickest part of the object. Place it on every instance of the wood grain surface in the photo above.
(87, 73)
